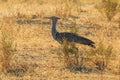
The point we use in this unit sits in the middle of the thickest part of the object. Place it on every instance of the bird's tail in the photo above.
(85, 41)
(92, 45)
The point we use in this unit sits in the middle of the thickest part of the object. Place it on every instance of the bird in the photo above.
(68, 36)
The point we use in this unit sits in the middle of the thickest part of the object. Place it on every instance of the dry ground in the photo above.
(36, 49)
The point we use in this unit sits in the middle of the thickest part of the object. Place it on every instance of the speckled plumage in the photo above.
(69, 37)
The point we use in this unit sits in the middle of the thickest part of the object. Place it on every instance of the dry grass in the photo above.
(22, 21)
(8, 46)
(109, 8)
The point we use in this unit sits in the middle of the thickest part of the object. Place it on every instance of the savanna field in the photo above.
(29, 52)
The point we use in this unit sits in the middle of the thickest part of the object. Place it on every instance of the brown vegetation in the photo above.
(29, 52)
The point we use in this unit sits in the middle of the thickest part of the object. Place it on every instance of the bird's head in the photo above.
(53, 18)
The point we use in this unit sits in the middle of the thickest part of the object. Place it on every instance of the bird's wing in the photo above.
(74, 37)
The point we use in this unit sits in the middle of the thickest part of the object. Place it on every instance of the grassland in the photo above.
(35, 56)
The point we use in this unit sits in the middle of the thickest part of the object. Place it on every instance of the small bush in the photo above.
(18, 69)
(109, 8)
(8, 47)
(101, 56)
(88, 59)
(70, 52)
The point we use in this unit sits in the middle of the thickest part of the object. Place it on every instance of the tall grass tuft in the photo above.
(101, 56)
(87, 60)
(70, 52)
(109, 8)
(8, 47)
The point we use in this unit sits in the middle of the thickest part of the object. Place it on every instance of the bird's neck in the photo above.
(54, 31)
